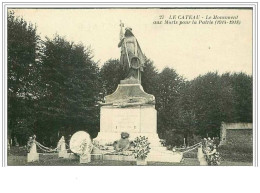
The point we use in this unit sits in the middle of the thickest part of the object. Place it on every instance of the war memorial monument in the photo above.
(130, 109)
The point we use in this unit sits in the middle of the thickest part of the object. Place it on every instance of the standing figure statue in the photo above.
(132, 57)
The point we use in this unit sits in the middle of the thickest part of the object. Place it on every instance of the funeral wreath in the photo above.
(141, 147)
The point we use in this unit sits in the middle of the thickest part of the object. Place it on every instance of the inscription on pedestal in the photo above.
(126, 120)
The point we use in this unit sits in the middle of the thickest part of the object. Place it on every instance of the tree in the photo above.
(186, 115)
(23, 69)
(242, 87)
(227, 100)
(71, 80)
(149, 77)
(207, 91)
(167, 94)
(111, 73)
(216, 99)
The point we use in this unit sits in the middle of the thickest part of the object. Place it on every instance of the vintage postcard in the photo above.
(127, 86)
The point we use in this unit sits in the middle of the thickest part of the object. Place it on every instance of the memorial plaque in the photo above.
(126, 120)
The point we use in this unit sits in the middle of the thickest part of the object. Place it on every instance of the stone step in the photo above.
(156, 156)
(173, 158)
(165, 157)
(158, 148)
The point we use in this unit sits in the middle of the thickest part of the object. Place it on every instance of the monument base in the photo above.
(107, 138)
(153, 156)
(130, 109)
(161, 154)
(139, 120)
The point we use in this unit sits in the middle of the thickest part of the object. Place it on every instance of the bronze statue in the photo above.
(123, 143)
(130, 91)
(132, 57)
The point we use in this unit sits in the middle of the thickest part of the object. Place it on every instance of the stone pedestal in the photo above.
(129, 109)
(63, 152)
(85, 159)
(141, 162)
(201, 157)
(200, 153)
(136, 120)
(33, 155)
(203, 162)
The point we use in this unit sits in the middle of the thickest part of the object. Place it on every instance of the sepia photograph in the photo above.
(130, 86)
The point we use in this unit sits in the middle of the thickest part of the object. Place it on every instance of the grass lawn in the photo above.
(53, 160)
(236, 153)
(18, 157)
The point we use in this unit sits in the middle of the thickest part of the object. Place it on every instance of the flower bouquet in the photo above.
(141, 149)
(85, 150)
(212, 156)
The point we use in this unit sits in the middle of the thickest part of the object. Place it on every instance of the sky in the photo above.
(191, 50)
